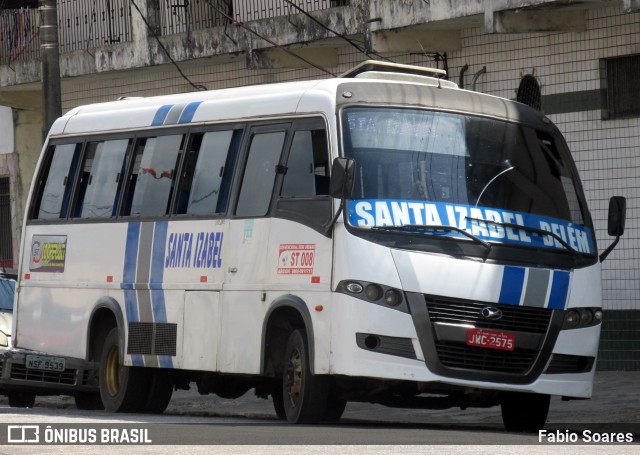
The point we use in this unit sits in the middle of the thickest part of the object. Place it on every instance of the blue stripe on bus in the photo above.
(158, 306)
(559, 290)
(161, 115)
(512, 285)
(129, 271)
(157, 271)
(189, 111)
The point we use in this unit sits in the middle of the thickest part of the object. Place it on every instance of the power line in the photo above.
(273, 43)
(197, 87)
(340, 35)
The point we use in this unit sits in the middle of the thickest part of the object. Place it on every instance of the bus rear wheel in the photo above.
(524, 412)
(304, 394)
(122, 388)
(160, 389)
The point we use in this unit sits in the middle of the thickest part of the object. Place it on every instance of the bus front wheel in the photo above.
(19, 399)
(122, 388)
(304, 394)
(524, 412)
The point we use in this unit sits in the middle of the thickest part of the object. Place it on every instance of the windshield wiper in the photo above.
(427, 227)
(533, 230)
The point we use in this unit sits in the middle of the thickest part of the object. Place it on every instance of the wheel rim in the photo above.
(112, 372)
(293, 385)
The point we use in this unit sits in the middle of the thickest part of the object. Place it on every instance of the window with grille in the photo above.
(6, 245)
(618, 78)
(529, 92)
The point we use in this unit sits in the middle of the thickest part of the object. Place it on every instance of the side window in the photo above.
(260, 173)
(206, 178)
(151, 182)
(54, 192)
(307, 166)
(101, 178)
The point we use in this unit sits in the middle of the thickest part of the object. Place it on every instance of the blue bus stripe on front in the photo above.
(512, 285)
(559, 290)
(189, 111)
(161, 115)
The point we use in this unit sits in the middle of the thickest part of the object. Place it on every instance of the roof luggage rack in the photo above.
(387, 67)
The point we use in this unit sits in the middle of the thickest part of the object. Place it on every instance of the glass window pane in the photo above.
(105, 163)
(57, 189)
(153, 173)
(260, 173)
(307, 166)
(209, 171)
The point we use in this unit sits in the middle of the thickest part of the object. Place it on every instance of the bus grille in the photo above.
(456, 354)
(150, 338)
(469, 357)
(514, 318)
(20, 372)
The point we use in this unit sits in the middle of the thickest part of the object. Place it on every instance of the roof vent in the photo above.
(374, 69)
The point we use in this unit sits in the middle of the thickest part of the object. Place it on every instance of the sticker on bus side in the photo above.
(48, 253)
(475, 220)
(296, 258)
(200, 250)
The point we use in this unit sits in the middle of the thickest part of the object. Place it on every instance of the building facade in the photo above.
(577, 60)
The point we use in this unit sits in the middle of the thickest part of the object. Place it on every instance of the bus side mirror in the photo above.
(343, 172)
(617, 216)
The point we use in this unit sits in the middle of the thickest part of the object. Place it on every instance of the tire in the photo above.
(334, 410)
(524, 412)
(19, 399)
(278, 401)
(304, 395)
(160, 390)
(89, 401)
(122, 388)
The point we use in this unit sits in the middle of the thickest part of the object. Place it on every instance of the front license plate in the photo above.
(491, 339)
(38, 362)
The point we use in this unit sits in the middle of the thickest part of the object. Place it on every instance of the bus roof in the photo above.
(412, 86)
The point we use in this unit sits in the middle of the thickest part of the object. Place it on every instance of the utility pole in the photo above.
(50, 65)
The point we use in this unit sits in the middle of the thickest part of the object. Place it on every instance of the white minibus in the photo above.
(382, 237)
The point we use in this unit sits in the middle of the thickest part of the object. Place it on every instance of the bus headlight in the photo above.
(392, 297)
(375, 293)
(353, 287)
(4, 340)
(578, 318)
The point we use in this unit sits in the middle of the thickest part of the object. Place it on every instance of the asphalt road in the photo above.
(196, 424)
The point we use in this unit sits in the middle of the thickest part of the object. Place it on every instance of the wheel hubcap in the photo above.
(293, 385)
(112, 372)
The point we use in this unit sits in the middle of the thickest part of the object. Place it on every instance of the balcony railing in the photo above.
(86, 24)
(251, 10)
(19, 38)
(180, 16)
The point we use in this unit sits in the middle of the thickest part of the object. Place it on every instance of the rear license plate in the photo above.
(491, 339)
(39, 362)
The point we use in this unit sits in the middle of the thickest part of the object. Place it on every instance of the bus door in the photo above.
(197, 243)
(300, 248)
(246, 250)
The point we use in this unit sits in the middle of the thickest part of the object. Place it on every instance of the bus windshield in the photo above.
(487, 177)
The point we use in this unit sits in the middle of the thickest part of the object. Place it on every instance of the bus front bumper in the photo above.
(44, 374)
